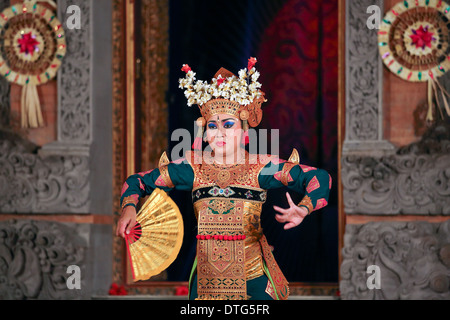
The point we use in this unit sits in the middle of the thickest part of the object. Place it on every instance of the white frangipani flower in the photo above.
(242, 89)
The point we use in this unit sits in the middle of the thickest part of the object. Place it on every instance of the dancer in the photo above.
(229, 186)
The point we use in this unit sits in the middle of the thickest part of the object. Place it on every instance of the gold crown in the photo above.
(227, 93)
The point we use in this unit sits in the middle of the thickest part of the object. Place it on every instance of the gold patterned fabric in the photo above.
(306, 202)
(164, 170)
(228, 200)
(254, 262)
(293, 160)
(228, 203)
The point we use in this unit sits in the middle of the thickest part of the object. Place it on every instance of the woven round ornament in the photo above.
(413, 42)
(32, 46)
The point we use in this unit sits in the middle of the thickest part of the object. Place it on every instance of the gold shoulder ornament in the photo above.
(164, 170)
(293, 160)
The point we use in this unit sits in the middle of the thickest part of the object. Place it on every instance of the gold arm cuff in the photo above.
(284, 178)
(306, 202)
(128, 200)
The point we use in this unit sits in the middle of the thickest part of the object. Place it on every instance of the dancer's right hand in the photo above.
(126, 222)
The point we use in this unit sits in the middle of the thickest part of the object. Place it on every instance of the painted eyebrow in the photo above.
(222, 120)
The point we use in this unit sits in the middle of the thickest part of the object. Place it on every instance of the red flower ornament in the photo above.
(251, 63)
(28, 43)
(117, 290)
(186, 68)
(422, 37)
(181, 291)
(220, 81)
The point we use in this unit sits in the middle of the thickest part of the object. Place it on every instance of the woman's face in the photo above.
(224, 132)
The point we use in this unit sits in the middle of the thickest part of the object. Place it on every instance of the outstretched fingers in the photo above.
(290, 225)
(291, 203)
(281, 210)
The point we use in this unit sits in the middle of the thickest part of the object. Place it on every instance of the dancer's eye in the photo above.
(228, 124)
(212, 126)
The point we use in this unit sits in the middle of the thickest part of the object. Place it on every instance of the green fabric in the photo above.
(143, 183)
(300, 179)
(182, 176)
(270, 279)
(193, 272)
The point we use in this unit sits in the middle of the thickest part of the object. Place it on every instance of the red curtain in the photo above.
(298, 64)
(298, 61)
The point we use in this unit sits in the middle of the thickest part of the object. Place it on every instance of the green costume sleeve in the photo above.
(314, 184)
(179, 175)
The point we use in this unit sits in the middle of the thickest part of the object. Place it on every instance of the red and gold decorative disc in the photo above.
(413, 39)
(32, 44)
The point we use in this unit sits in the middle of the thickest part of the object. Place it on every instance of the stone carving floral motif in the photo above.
(414, 180)
(413, 257)
(31, 184)
(34, 257)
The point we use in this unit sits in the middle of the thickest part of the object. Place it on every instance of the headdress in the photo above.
(239, 96)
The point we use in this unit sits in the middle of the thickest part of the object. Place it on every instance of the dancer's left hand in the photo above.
(292, 216)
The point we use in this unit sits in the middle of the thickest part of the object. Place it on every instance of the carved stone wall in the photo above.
(378, 178)
(413, 257)
(413, 180)
(35, 255)
(74, 79)
(33, 184)
(67, 180)
(364, 95)
(381, 180)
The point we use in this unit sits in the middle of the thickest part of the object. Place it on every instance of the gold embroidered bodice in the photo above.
(223, 193)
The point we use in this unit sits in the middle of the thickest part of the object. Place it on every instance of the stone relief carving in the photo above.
(363, 103)
(74, 105)
(413, 257)
(414, 180)
(31, 184)
(34, 257)
(54, 179)
(377, 178)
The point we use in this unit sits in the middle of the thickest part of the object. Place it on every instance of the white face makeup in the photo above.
(224, 133)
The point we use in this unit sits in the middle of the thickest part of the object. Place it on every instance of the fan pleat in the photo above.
(156, 244)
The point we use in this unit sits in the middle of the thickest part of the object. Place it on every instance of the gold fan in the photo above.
(155, 240)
